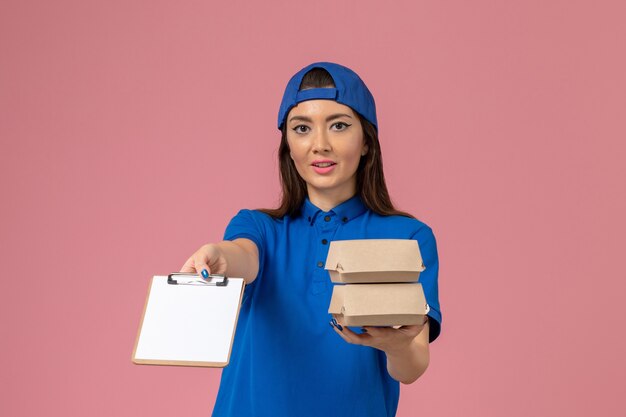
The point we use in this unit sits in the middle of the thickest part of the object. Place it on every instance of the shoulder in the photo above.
(253, 219)
(254, 215)
(409, 226)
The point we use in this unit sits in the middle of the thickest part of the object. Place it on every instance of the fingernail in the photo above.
(339, 327)
(334, 322)
(205, 274)
(331, 324)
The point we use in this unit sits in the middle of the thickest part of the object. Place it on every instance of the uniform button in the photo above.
(345, 219)
(324, 241)
(320, 264)
(327, 218)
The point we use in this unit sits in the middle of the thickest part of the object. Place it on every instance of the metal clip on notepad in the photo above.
(184, 278)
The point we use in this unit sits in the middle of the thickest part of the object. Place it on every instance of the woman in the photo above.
(285, 360)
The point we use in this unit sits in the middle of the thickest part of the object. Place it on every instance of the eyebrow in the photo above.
(328, 119)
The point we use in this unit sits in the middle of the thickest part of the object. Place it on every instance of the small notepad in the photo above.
(189, 322)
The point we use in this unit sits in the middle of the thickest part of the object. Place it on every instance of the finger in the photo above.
(188, 266)
(341, 333)
(412, 331)
(356, 338)
(347, 334)
(193, 266)
(415, 328)
(339, 320)
(336, 322)
(376, 331)
(203, 269)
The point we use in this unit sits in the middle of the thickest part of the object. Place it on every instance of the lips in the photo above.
(323, 167)
(323, 164)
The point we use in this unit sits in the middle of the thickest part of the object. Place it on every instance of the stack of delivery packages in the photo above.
(376, 282)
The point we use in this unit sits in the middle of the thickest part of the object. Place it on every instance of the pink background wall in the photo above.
(132, 131)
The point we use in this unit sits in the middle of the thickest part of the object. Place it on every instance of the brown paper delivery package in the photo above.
(376, 282)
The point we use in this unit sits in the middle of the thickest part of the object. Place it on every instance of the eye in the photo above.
(299, 129)
(341, 125)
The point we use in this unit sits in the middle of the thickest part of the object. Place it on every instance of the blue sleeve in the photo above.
(430, 277)
(247, 224)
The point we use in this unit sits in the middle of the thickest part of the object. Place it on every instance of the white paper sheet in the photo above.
(189, 322)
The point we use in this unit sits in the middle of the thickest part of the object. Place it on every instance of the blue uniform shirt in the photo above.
(286, 359)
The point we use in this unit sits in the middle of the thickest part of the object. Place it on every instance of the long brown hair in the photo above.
(370, 179)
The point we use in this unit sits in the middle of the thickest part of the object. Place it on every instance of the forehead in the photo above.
(319, 108)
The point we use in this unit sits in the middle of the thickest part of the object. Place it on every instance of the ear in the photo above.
(365, 150)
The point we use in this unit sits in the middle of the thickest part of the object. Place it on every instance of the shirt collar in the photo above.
(346, 211)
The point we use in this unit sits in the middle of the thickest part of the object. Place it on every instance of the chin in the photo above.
(327, 186)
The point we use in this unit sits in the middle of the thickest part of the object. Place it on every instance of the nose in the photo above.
(321, 142)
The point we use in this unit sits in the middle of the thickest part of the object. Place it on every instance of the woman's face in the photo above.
(326, 144)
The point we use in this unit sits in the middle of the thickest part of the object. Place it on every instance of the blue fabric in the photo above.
(317, 93)
(286, 359)
(350, 90)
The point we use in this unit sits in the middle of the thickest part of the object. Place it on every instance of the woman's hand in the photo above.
(406, 347)
(388, 339)
(209, 257)
(239, 258)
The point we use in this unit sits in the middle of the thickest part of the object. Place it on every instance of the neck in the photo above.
(329, 199)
